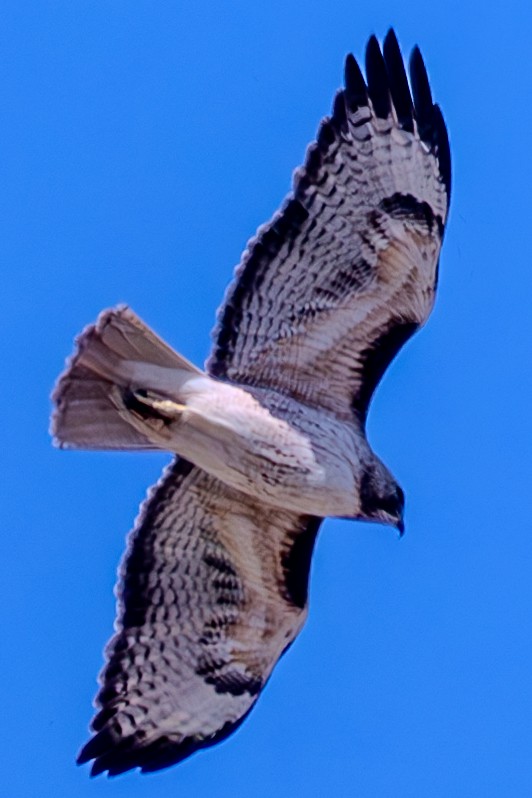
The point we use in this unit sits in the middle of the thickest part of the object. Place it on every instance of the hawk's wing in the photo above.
(212, 591)
(329, 290)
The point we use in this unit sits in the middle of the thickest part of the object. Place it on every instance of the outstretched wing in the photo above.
(330, 289)
(212, 590)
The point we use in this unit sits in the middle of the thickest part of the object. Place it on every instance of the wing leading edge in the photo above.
(329, 290)
(212, 591)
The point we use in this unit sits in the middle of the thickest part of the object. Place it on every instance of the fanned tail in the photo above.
(115, 357)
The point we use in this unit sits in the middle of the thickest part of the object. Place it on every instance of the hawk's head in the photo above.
(381, 498)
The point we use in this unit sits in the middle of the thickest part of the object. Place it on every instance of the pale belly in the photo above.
(269, 446)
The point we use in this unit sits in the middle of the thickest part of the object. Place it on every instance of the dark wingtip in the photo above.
(118, 756)
(391, 35)
(339, 113)
(85, 754)
(443, 149)
(422, 94)
(97, 748)
(377, 78)
(98, 766)
(398, 81)
(431, 124)
(356, 94)
(131, 753)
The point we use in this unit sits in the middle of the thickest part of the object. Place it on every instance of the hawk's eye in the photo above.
(400, 497)
(271, 437)
(394, 502)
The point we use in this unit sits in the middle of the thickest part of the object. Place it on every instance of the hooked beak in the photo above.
(400, 526)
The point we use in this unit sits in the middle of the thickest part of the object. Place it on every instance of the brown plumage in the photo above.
(271, 437)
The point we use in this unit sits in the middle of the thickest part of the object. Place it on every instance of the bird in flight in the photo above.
(270, 438)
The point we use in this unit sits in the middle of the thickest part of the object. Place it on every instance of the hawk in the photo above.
(270, 438)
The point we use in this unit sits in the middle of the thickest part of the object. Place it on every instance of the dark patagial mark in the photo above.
(140, 561)
(295, 562)
(376, 358)
(285, 227)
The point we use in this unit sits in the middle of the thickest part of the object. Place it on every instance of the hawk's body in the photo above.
(271, 438)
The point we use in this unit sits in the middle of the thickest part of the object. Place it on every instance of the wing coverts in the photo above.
(213, 588)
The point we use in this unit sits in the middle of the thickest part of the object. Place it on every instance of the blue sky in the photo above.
(141, 145)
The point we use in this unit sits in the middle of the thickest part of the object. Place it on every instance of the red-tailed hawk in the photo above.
(270, 438)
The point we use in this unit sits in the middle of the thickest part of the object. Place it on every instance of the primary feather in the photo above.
(271, 437)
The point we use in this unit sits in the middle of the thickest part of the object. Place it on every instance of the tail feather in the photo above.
(117, 354)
